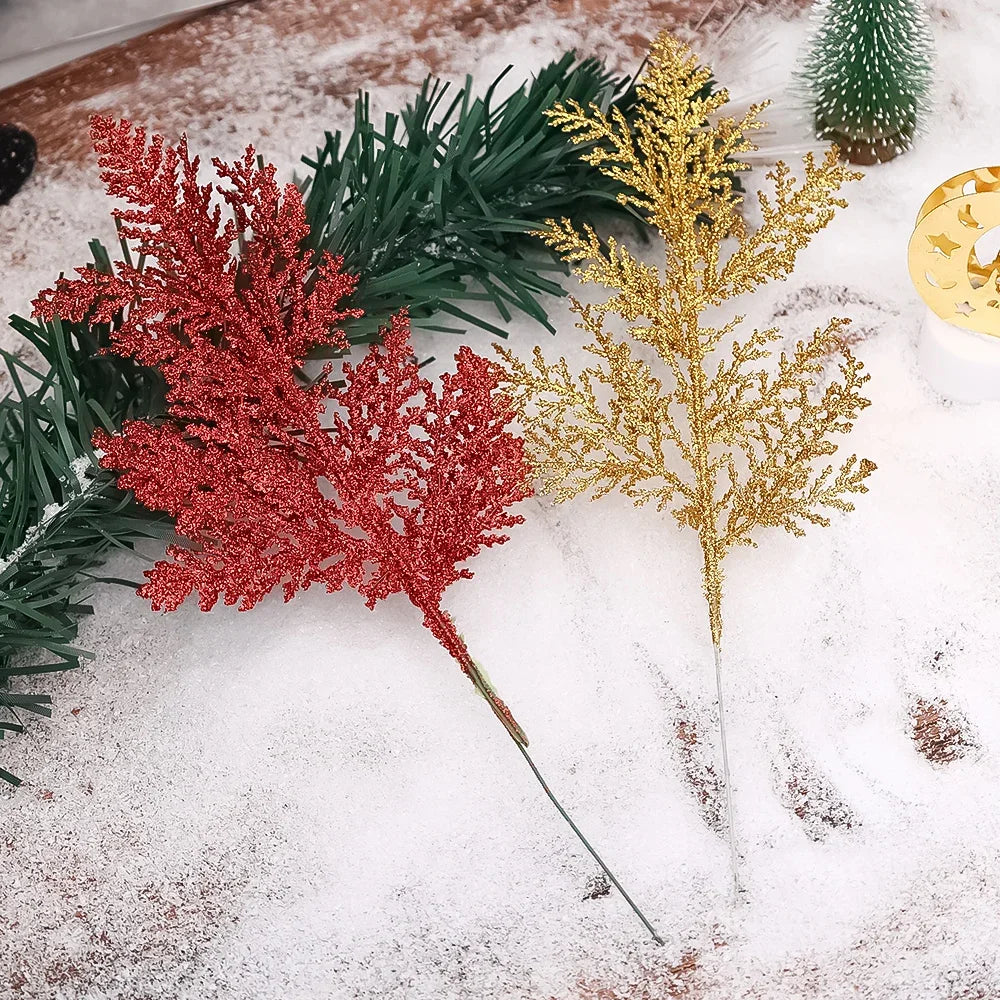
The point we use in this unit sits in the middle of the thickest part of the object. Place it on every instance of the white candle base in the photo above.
(960, 364)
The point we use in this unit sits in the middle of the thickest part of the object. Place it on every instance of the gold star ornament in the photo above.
(942, 244)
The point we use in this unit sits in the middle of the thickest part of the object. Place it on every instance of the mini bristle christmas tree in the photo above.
(868, 74)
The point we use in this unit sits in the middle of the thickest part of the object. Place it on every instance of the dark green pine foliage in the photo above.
(432, 210)
(60, 516)
(868, 72)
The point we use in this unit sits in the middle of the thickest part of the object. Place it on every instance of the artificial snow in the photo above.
(309, 801)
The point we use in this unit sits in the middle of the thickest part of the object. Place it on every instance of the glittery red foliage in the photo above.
(195, 285)
(390, 493)
(382, 484)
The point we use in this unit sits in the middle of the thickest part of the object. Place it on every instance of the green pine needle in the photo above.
(60, 516)
(433, 209)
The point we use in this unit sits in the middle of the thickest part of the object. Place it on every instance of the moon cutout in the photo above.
(966, 217)
(938, 284)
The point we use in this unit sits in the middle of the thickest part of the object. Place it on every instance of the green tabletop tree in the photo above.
(868, 74)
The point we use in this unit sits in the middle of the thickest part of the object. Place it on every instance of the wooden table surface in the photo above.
(203, 68)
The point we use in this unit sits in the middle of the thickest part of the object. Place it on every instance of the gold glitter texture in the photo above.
(680, 412)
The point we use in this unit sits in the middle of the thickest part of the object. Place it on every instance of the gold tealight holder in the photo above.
(959, 279)
(959, 287)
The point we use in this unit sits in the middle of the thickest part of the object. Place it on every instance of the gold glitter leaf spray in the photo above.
(715, 432)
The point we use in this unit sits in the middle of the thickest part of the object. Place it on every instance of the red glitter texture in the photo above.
(381, 484)
(193, 288)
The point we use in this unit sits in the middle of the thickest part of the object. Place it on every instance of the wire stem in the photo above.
(583, 840)
(521, 742)
(734, 854)
(443, 626)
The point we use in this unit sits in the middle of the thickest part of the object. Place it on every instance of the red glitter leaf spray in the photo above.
(379, 483)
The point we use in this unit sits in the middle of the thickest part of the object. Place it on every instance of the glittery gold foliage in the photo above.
(682, 410)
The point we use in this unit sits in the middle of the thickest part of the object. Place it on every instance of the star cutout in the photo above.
(942, 244)
(965, 308)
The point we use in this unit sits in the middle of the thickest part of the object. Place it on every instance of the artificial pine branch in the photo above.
(381, 483)
(432, 210)
(61, 516)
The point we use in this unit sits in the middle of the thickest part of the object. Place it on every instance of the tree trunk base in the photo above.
(867, 152)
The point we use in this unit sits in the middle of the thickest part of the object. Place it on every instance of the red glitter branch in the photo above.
(391, 493)
(382, 484)
(193, 287)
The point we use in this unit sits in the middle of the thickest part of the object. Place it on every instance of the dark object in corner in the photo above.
(17, 159)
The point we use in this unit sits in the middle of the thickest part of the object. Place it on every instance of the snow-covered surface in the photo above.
(308, 801)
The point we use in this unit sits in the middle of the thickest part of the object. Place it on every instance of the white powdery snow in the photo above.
(308, 801)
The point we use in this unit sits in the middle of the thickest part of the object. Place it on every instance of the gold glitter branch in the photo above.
(727, 439)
